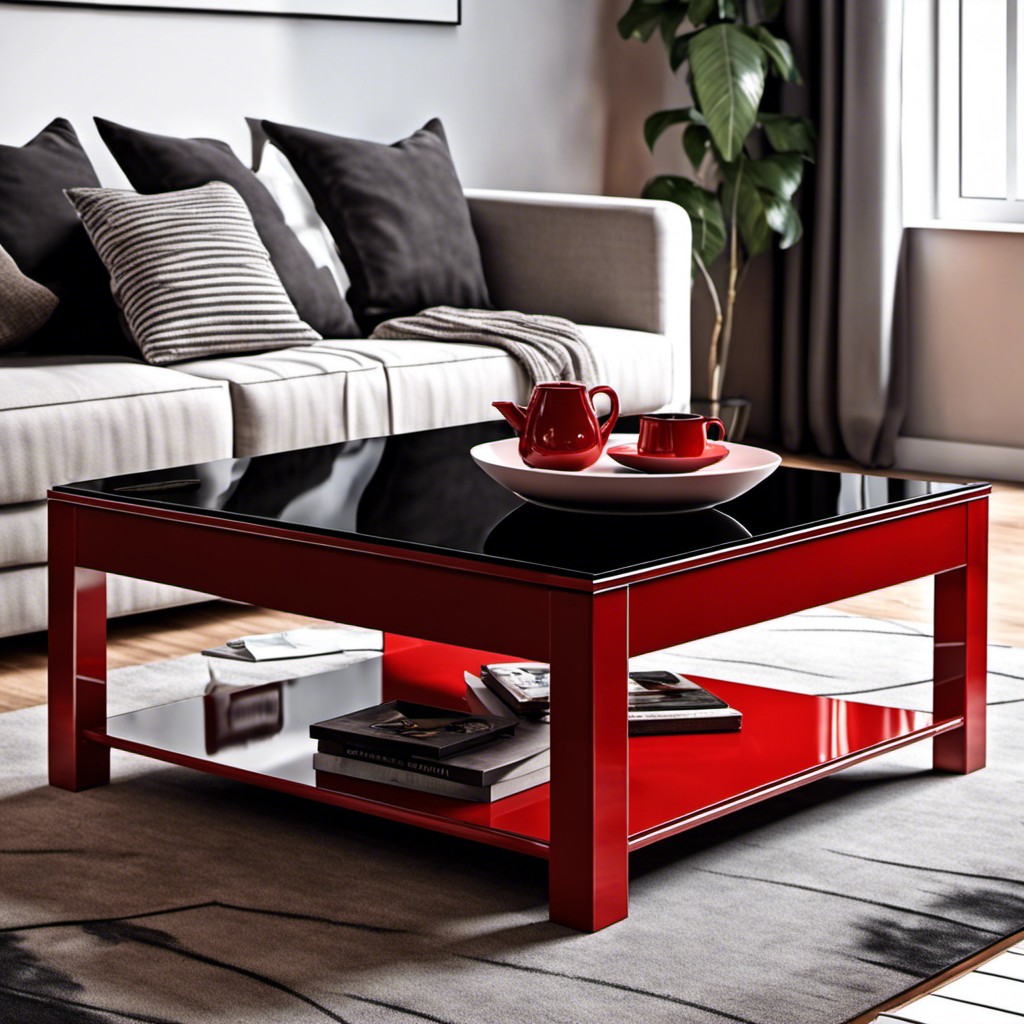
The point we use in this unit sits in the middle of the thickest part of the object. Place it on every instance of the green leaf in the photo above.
(742, 196)
(728, 78)
(770, 9)
(784, 221)
(779, 52)
(704, 208)
(680, 50)
(696, 140)
(640, 21)
(658, 122)
(789, 134)
(701, 10)
(779, 174)
(761, 192)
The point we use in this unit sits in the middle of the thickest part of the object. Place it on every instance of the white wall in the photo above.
(966, 291)
(519, 84)
(966, 354)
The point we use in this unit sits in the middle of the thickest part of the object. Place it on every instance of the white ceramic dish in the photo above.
(609, 487)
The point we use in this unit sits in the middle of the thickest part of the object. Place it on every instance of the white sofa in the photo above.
(619, 267)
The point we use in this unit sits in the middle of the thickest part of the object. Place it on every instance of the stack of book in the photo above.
(660, 701)
(492, 755)
(481, 758)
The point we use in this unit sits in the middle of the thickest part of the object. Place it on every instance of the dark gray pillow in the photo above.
(161, 163)
(42, 235)
(24, 305)
(399, 218)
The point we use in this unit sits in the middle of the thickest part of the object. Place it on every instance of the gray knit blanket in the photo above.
(547, 347)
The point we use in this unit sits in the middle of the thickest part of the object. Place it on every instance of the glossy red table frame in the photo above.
(597, 807)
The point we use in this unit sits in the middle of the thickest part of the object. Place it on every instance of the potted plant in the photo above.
(746, 163)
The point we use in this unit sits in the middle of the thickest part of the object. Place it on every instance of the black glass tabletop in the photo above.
(424, 491)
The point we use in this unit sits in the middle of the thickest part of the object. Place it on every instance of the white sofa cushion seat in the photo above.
(295, 398)
(22, 534)
(340, 390)
(66, 418)
(442, 384)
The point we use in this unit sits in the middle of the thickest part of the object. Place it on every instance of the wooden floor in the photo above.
(136, 640)
(987, 989)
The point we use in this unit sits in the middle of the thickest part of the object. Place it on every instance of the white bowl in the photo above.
(608, 487)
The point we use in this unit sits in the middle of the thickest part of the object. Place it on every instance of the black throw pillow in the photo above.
(160, 163)
(42, 234)
(399, 218)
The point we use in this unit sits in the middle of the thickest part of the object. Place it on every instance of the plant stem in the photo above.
(720, 359)
(717, 330)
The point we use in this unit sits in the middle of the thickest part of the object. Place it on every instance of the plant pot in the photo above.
(733, 412)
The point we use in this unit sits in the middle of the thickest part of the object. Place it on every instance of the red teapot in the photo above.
(559, 428)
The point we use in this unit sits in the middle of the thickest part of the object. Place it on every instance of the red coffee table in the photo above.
(405, 534)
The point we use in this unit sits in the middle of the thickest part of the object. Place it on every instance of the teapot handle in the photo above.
(609, 423)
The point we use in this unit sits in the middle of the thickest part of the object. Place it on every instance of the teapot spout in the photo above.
(515, 415)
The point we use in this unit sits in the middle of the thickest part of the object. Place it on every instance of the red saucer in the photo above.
(627, 455)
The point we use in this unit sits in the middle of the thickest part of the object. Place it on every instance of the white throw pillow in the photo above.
(299, 212)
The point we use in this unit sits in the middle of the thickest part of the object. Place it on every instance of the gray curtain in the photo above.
(842, 362)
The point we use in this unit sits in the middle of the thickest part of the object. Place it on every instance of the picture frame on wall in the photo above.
(434, 12)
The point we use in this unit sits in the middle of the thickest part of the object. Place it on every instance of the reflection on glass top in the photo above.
(424, 491)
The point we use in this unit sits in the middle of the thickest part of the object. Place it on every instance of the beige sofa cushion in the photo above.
(441, 384)
(317, 394)
(22, 534)
(64, 419)
(340, 390)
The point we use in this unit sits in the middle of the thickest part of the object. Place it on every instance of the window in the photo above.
(979, 106)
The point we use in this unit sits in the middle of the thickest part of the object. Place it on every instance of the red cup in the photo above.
(682, 435)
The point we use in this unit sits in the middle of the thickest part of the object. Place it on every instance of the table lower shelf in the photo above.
(260, 735)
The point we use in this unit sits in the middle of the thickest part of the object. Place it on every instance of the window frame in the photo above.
(949, 204)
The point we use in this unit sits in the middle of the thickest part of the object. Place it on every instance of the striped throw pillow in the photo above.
(189, 272)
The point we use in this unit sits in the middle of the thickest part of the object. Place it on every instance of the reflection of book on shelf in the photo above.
(306, 642)
(331, 770)
(659, 701)
(233, 715)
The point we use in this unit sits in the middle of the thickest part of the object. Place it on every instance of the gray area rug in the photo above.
(173, 896)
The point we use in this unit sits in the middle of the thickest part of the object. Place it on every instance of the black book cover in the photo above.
(409, 729)
(525, 751)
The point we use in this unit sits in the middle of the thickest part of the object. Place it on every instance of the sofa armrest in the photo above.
(592, 259)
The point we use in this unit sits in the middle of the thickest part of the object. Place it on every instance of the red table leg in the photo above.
(961, 636)
(77, 660)
(589, 861)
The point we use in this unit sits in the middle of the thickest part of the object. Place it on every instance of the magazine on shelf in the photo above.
(305, 642)
(404, 728)
(331, 772)
(660, 701)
